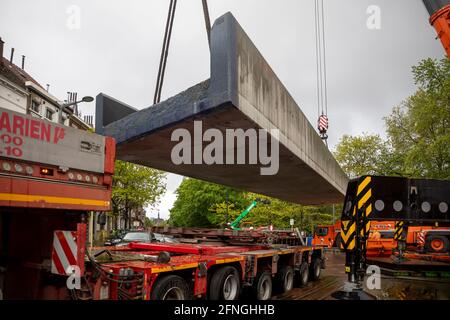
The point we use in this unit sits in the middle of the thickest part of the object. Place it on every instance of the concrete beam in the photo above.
(243, 93)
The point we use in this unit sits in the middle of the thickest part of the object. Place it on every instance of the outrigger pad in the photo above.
(242, 93)
(353, 295)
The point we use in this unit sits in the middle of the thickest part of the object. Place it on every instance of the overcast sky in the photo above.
(116, 48)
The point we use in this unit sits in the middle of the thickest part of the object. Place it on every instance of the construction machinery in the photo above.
(219, 266)
(51, 178)
(420, 240)
(406, 201)
(235, 224)
(371, 198)
(330, 235)
(327, 235)
(439, 11)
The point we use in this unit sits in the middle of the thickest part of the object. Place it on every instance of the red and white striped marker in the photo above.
(421, 239)
(64, 253)
(323, 123)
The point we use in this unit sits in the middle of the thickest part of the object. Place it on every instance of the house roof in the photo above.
(15, 74)
(20, 77)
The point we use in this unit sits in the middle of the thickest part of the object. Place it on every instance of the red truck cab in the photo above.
(327, 235)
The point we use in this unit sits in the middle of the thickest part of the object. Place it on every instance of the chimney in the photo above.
(1, 50)
(48, 87)
(12, 56)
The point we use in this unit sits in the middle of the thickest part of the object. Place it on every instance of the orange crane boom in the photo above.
(440, 19)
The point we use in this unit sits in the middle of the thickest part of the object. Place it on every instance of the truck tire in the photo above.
(170, 287)
(437, 244)
(262, 288)
(285, 279)
(303, 275)
(225, 284)
(315, 269)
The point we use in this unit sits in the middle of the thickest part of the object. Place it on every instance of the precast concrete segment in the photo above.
(242, 93)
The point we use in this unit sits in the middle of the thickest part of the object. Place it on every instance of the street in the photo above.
(333, 278)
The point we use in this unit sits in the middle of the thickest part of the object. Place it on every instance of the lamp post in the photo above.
(66, 105)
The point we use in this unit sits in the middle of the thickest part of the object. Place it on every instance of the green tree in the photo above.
(220, 214)
(196, 199)
(202, 204)
(279, 213)
(148, 223)
(135, 187)
(366, 155)
(418, 143)
(418, 129)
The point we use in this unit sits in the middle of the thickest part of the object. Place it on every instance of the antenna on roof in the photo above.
(89, 120)
(23, 62)
(12, 56)
(2, 45)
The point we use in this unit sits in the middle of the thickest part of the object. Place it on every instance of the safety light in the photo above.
(46, 172)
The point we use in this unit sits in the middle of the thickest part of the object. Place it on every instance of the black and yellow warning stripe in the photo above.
(348, 230)
(363, 200)
(364, 197)
(399, 234)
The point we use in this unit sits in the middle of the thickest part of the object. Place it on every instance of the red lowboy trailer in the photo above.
(221, 266)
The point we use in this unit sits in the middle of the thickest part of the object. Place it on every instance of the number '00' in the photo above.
(7, 139)
(17, 141)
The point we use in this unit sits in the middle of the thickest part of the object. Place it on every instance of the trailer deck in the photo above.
(137, 270)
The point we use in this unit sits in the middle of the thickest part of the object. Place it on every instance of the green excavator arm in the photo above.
(235, 224)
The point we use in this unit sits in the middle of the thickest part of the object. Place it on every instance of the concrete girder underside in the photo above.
(243, 93)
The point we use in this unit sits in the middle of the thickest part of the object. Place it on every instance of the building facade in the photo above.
(20, 92)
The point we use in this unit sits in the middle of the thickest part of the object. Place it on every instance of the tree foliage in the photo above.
(279, 213)
(418, 129)
(203, 204)
(196, 198)
(135, 187)
(365, 154)
(418, 136)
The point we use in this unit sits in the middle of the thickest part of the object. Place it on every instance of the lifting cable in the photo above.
(207, 21)
(165, 51)
(321, 70)
(166, 44)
